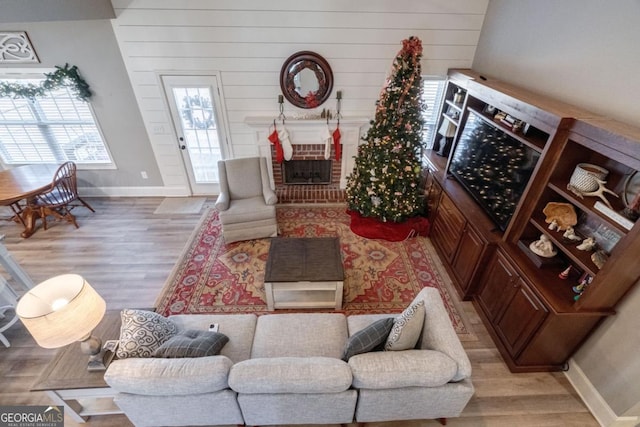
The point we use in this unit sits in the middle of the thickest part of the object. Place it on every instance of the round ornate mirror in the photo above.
(306, 79)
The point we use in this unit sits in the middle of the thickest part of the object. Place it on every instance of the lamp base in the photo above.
(100, 361)
(96, 362)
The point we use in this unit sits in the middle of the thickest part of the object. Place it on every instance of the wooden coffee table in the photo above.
(68, 382)
(304, 273)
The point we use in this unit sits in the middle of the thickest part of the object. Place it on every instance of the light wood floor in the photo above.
(126, 252)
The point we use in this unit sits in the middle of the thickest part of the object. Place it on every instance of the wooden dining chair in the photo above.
(57, 200)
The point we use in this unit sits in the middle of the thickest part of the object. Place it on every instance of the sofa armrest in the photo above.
(398, 369)
(438, 333)
(222, 202)
(270, 197)
(166, 377)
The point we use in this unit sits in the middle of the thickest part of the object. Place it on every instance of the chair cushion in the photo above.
(192, 343)
(247, 210)
(396, 369)
(368, 338)
(142, 332)
(244, 178)
(406, 328)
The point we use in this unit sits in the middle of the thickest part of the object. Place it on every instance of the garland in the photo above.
(63, 76)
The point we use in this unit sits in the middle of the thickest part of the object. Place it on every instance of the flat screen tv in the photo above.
(493, 167)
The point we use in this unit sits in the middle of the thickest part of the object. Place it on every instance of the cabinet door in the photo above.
(521, 318)
(469, 251)
(497, 287)
(433, 191)
(447, 227)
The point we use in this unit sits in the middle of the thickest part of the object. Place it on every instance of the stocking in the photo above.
(336, 142)
(287, 148)
(273, 138)
(326, 138)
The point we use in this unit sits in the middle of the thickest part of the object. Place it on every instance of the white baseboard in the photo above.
(134, 191)
(599, 407)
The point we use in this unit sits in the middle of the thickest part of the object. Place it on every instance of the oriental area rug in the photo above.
(380, 276)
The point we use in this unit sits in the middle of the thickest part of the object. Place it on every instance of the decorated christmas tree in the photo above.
(384, 181)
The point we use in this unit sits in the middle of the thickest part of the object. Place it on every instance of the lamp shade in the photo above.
(61, 310)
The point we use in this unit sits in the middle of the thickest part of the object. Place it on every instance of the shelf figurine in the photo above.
(587, 244)
(571, 235)
(564, 214)
(554, 225)
(543, 247)
(565, 274)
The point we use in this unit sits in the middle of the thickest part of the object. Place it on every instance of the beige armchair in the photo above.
(246, 203)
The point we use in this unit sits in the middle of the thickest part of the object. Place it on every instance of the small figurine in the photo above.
(565, 274)
(587, 244)
(599, 258)
(553, 225)
(571, 235)
(543, 247)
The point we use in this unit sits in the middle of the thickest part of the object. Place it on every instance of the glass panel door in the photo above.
(194, 105)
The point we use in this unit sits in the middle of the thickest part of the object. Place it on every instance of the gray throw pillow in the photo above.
(406, 328)
(192, 343)
(368, 339)
(142, 332)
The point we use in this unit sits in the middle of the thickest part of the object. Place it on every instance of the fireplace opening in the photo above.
(307, 172)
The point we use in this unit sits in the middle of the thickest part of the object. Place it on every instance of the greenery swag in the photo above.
(63, 76)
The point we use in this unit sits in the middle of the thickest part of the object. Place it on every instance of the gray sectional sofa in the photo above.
(287, 369)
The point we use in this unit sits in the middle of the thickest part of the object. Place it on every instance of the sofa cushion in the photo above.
(192, 343)
(300, 335)
(408, 368)
(290, 375)
(240, 329)
(406, 328)
(142, 332)
(368, 339)
(167, 377)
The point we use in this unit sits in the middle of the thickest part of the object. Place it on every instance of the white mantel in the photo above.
(303, 132)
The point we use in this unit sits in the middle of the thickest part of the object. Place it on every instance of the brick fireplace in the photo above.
(306, 139)
(308, 193)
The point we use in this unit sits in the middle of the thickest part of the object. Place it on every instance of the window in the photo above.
(432, 93)
(52, 129)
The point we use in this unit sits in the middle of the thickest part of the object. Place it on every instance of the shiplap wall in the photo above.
(246, 42)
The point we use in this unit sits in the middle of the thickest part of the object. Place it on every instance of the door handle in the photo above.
(182, 146)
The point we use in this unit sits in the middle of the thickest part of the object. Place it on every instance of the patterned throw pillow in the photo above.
(406, 328)
(192, 343)
(142, 332)
(368, 338)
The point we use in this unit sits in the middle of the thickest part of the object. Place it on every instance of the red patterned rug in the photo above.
(380, 276)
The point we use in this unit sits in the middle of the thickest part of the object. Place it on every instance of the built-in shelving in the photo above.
(536, 315)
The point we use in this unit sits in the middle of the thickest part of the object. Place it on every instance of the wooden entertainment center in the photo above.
(535, 317)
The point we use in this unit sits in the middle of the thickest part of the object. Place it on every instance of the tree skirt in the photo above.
(373, 228)
(380, 276)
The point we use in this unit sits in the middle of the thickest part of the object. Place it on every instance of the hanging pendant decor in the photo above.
(63, 76)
